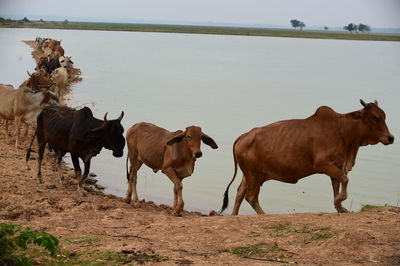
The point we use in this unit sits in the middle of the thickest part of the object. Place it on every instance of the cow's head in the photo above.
(39, 81)
(373, 118)
(41, 64)
(192, 136)
(112, 135)
(63, 61)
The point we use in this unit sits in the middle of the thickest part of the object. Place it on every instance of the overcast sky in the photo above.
(376, 13)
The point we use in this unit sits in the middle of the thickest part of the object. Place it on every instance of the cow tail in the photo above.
(226, 194)
(28, 152)
(127, 171)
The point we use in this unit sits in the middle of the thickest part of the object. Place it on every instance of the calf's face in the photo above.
(192, 137)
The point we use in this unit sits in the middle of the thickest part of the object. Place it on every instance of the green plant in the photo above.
(320, 237)
(15, 239)
(368, 207)
(259, 249)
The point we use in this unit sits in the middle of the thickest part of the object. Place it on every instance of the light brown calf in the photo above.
(174, 153)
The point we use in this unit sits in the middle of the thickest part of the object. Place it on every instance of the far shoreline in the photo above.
(213, 30)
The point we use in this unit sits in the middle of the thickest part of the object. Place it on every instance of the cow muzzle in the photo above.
(198, 154)
(386, 140)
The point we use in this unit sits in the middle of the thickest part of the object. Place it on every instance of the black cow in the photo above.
(46, 65)
(79, 133)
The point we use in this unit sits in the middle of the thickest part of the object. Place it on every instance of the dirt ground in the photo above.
(93, 221)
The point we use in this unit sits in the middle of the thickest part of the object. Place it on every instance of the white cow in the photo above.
(60, 77)
(22, 105)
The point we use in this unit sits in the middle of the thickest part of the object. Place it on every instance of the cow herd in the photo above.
(327, 142)
(45, 86)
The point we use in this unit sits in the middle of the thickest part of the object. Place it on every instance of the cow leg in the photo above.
(17, 129)
(77, 167)
(85, 173)
(178, 200)
(42, 146)
(7, 133)
(339, 197)
(241, 191)
(86, 170)
(135, 166)
(59, 156)
(253, 189)
(26, 129)
(337, 177)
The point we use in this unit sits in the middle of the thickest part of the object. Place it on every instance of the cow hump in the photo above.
(325, 112)
(85, 112)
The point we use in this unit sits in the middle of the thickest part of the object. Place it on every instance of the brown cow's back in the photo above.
(284, 150)
(147, 142)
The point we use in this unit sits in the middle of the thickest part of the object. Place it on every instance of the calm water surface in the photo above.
(228, 85)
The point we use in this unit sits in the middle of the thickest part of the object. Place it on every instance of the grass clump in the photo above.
(368, 207)
(320, 237)
(15, 240)
(143, 256)
(261, 249)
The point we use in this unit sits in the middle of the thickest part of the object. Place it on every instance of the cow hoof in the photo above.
(127, 200)
(342, 210)
(136, 204)
(177, 214)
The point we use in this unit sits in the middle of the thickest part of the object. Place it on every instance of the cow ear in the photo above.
(363, 103)
(209, 141)
(376, 102)
(177, 137)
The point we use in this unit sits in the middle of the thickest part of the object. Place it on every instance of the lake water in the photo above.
(228, 85)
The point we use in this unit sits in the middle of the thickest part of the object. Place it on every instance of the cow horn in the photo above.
(105, 117)
(363, 103)
(376, 102)
(29, 74)
(121, 116)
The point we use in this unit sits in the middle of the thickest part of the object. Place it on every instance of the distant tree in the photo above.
(326, 28)
(364, 28)
(297, 24)
(41, 20)
(25, 19)
(65, 22)
(351, 27)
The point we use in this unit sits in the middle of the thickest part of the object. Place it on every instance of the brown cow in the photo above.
(52, 44)
(324, 143)
(37, 81)
(174, 153)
